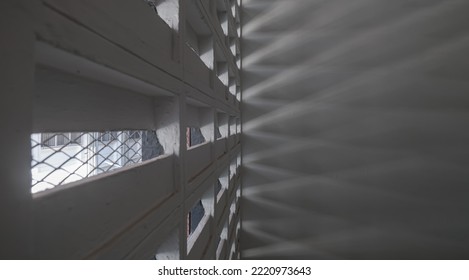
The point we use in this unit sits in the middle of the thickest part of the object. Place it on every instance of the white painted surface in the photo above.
(195, 71)
(220, 147)
(63, 101)
(126, 68)
(115, 21)
(74, 219)
(198, 158)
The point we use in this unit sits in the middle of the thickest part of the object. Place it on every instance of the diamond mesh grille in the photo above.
(60, 158)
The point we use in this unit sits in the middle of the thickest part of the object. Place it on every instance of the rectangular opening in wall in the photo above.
(233, 41)
(200, 124)
(64, 157)
(218, 189)
(238, 61)
(194, 217)
(238, 87)
(232, 125)
(222, 125)
(233, 169)
(222, 238)
(194, 136)
(169, 249)
(192, 40)
(222, 184)
(217, 133)
(198, 34)
(222, 15)
(237, 15)
(198, 216)
(221, 66)
(233, 212)
(233, 80)
(234, 9)
(232, 85)
(167, 10)
(222, 72)
(232, 251)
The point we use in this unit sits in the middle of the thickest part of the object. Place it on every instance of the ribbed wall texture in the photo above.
(355, 129)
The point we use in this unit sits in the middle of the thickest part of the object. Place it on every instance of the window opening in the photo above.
(194, 136)
(222, 15)
(221, 66)
(234, 10)
(232, 85)
(222, 238)
(218, 187)
(222, 125)
(232, 45)
(232, 125)
(233, 168)
(194, 217)
(167, 10)
(199, 216)
(222, 184)
(233, 211)
(198, 34)
(223, 20)
(57, 139)
(232, 251)
(222, 72)
(64, 157)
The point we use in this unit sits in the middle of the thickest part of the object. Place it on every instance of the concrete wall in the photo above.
(355, 139)
(84, 66)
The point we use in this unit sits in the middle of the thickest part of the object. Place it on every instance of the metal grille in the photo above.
(60, 158)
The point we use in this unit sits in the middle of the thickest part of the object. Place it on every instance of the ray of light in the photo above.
(273, 12)
(331, 179)
(337, 239)
(345, 131)
(303, 106)
(292, 74)
(307, 31)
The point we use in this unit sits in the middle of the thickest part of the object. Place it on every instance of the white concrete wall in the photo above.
(134, 74)
(355, 139)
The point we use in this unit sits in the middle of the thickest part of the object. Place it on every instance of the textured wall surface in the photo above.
(93, 66)
(355, 129)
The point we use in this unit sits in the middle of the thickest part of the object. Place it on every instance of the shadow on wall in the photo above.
(355, 134)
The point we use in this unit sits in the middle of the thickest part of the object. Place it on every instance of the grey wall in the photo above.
(355, 129)
(16, 78)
